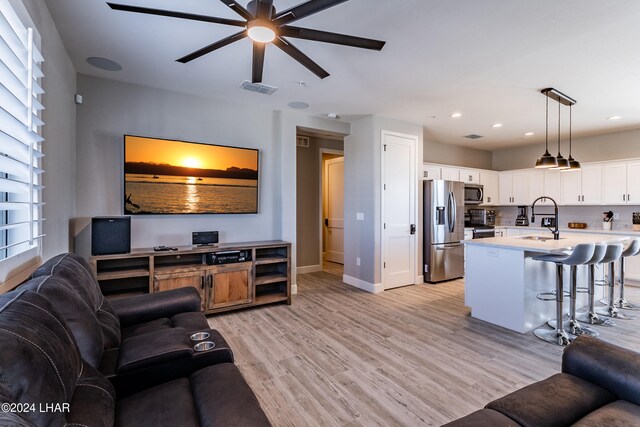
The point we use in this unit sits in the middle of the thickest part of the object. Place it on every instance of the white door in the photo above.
(399, 181)
(633, 178)
(591, 184)
(450, 174)
(571, 187)
(552, 186)
(536, 186)
(430, 172)
(334, 210)
(489, 181)
(521, 189)
(614, 182)
(505, 188)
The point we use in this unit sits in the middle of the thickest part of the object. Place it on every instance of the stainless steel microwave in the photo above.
(473, 194)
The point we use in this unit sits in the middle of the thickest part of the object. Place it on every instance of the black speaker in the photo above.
(204, 238)
(110, 235)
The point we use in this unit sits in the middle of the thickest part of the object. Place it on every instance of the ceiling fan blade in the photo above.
(238, 9)
(258, 62)
(173, 14)
(213, 46)
(296, 54)
(264, 9)
(327, 37)
(303, 10)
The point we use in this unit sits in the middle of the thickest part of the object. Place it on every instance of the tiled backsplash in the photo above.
(591, 215)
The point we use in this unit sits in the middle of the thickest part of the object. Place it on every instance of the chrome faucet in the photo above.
(555, 231)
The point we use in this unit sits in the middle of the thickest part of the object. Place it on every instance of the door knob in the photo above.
(412, 229)
(326, 222)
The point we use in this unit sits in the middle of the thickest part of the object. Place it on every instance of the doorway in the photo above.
(319, 214)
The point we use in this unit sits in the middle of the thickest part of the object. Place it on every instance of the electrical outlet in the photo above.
(359, 216)
(358, 261)
(616, 216)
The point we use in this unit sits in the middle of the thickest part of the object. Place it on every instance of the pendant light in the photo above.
(574, 165)
(562, 162)
(546, 160)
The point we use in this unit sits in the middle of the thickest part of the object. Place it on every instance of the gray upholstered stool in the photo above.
(590, 316)
(572, 325)
(580, 255)
(632, 250)
(611, 256)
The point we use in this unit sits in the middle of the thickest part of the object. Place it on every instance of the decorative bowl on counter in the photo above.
(577, 225)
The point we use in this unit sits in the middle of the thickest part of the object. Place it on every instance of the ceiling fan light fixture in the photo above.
(261, 31)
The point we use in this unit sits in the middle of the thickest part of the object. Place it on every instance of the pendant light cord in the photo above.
(559, 105)
(546, 126)
(570, 130)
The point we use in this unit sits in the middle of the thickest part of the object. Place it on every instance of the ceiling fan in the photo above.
(264, 25)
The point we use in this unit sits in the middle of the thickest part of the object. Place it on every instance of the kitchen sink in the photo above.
(538, 238)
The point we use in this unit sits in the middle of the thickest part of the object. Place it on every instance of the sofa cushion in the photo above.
(214, 396)
(483, 418)
(611, 367)
(144, 328)
(617, 414)
(190, 321)
(154, 347)
(80, 318)
(93, 403)
(76, 271)
(40, 363)
(560, 400)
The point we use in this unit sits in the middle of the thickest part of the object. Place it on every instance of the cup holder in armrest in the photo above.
(204, 346)
(199, 336)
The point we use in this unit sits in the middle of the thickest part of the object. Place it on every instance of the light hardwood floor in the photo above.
(410, 356)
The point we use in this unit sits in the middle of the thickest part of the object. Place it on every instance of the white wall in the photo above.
(449, 154)
(59, 146)
(112, 109)
(363, 194)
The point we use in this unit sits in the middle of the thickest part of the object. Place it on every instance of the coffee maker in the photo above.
(523, 217)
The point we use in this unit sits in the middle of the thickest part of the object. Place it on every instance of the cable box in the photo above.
(228, 257)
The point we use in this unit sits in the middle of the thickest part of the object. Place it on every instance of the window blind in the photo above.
(20, 135)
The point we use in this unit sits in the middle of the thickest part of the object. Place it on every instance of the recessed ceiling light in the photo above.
(456, 115)
(528, 134)
(496, 125)
(104, 63)
(298, 105)
(614, 118)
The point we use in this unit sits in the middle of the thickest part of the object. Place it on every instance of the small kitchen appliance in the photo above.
(523, 216)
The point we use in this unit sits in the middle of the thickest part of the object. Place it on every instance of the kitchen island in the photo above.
(502, 279)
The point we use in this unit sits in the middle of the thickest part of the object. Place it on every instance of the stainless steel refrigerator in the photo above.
(443, 230)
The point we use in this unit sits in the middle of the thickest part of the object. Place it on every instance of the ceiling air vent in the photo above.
(473, 136)
(302, 141)
(258, 87)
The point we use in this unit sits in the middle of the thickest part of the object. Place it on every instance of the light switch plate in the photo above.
(616, 216)
(359, 216)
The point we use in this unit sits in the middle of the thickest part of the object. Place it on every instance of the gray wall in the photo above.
(611, 146)
(362, 165)
(449, 154)
(112, 109)
(59, 146)
(308, 199)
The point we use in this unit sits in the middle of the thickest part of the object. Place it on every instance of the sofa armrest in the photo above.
(152, 348)
(144, 308)
(613, 368)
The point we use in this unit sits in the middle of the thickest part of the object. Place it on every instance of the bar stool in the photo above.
(572, 325)
(632, 250)
(581, 254)
(590, 316)
(610, 257)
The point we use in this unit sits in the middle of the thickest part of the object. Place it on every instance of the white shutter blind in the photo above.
(20, 135)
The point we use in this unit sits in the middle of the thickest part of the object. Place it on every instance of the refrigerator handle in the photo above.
(454, 212)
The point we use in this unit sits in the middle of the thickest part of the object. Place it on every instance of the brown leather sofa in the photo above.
(132, 364)
(599, 386)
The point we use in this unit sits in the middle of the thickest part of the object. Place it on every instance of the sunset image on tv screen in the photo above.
(175, 177)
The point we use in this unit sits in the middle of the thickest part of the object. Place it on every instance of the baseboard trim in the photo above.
(308, 269)
(419, 279)
(374, 288)
(294, 289)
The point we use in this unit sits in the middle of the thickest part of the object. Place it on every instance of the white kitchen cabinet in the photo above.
(536, 186)
(431, 172)
(583, 187)
(470, 176)
(500, 232)
(514, 188)
(450, 174)
(468, 233)
(490, 186)
(552, 186)
(620, 183)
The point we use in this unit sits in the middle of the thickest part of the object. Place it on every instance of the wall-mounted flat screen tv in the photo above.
(163, 177)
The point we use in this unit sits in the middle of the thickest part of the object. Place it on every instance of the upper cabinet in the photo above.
(470, 176)
(583, 187)
(620, 183)
(552, 186)
(431, 172)
(450, 174)
(491, 185)
(514, 188)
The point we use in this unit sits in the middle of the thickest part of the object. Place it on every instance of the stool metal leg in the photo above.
(611, 310)
(622, 302)
(591, 316)
(558, 335)
(572, 325)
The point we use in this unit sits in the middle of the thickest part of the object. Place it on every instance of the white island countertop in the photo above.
(566, 242)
